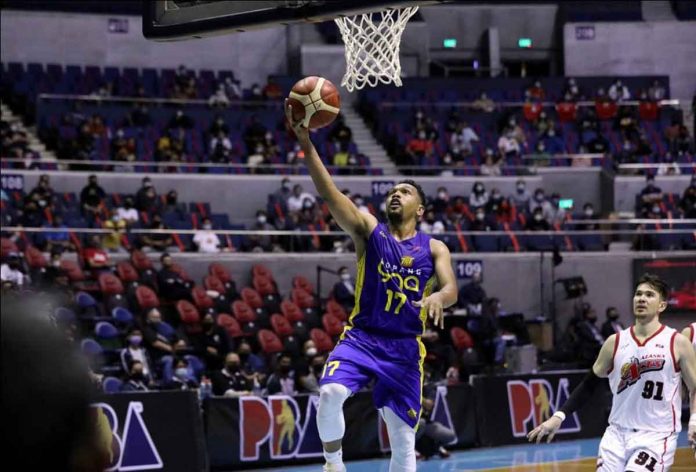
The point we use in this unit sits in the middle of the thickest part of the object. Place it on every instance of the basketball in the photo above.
(316, 101)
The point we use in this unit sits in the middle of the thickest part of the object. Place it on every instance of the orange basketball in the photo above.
(316, 101)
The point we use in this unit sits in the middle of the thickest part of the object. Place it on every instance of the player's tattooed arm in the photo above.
(446, 296)
(356, 223)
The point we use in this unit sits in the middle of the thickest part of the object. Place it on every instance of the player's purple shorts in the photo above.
(394, 363)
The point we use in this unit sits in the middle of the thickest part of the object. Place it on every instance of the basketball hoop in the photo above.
(372, 43)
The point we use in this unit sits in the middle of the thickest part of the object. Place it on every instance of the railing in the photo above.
(158, 101)
(582, 103)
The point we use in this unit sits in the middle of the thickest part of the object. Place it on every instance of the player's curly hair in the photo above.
(418, 188)
(655, 282)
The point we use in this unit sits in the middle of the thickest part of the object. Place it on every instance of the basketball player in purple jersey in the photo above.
(398, 270)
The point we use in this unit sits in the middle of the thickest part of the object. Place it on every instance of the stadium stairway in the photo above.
(34, 143)
(366, 143)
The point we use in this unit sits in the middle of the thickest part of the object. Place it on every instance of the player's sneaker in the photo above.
(331, 467)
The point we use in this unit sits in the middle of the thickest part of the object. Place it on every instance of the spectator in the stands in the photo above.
(94, 255)
(117, 229)
(441, 201)
(157, 344)
(682, 142)
(612, 325)
(344, 290)
(521, 197)
(181, 380)
(491, 165)
(298, 197)
(146, 196)
(172, 205)
(220, 142)
(122, 148)
(309, 377)
(495, 201)
(541, 156)
(618, 91)
(284, 191)
(478, 196)
(92, 198)
(253, 133)
(180, 120)
(535, 92)
(553, 142)
(481, 223)
(419, 147)
(556, 214)
(137, 382)
(172, 287)
(205, 238)
(31, 216)
(537, 222)
(282, 380)
(11, 272)
(572, 90)
(484, 104)
(157, 241)
(650, 195)
(261, 243)
(668, 166)
(219, 126)
(232, 88)
(135, 352)
(688, 200)
(256, 92)
(272, 91)
(431, 224)
(432, 435)
(212, 344)
(589, 337)
(341, 134)
(231, 381)
(508, 146)
(55, 276)
(219, 98)
(258, 157)
(540, 200)
(139, 116)
(588, 214)
(463, 138)
(127, 212)
(182, 75)
(544, 123)
(250, 362)
(472, 295)
(59, 238)
(44, 191)
(657, 92)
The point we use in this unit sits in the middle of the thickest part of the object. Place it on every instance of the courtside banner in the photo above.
(510, 406)
(153, 431)
(248, 432)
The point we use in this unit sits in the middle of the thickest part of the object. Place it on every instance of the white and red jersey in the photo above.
(646, 382)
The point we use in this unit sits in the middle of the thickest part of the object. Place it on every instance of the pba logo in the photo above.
(132, 447)
(277, 422)
(532, 402)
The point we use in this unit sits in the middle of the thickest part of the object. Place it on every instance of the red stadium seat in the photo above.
(181, 271)
(252, 298)
(281, 326)
(260, 270)
(188, 314)
(336, 309)
(332, 325)
(269, 342)
(300, 281)
(605, 110)
(230, 325)
(302, 298)
(35, 258)
(109, 284)
(321, 340)
(291, 311)
(461, 338)
(201, 299)
(7, 247)
(73, 271)
(648, 111)
(531, 111)
(147, 298)
(219, 271)
(211, 282)
(243, 312)
(263, 285)
(567, 112)
(126, 272)
(141, 261)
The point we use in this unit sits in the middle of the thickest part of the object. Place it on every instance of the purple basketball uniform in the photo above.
(382, 339)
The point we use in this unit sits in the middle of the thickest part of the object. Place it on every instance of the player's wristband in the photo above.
(559, 414)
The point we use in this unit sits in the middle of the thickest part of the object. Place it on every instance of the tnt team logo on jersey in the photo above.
(276, 423)
(632, 371)
(534, 401)
(407, 261)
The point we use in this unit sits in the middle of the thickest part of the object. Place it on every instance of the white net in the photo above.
(372, 43)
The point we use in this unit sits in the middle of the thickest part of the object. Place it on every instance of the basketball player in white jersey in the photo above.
(690, 333)
(645, 365)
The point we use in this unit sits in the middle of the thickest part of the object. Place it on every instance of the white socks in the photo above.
(334, 457)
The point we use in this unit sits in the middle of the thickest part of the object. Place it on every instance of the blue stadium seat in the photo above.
(112, 385)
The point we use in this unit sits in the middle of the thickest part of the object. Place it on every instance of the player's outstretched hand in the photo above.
(433, 306)
(298, 128)
(549, 427)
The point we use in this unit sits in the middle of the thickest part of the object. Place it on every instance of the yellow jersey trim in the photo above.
(359, 280)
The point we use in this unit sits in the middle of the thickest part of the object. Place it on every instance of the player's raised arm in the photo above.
(582, 393)
(347, 215)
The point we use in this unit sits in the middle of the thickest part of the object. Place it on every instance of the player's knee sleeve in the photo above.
(402, 439)
(330, 422)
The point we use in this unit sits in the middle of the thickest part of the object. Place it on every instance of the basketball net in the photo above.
(372, 47)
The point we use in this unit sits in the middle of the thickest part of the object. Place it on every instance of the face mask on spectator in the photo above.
(345, 276)
(442, 195)
(552, 133)
(538, 216)
(56, 263)
(419, 115)
(284, 369)
(207, 226)
(421, 135)
(135, 340)
(383, 207)
(311, 352)
(138, 376)
(447, 159)
(232, 366)
(359, 201)
(181, 372)
(478, 189)
(261, 219)
(656, 209)
(589, 212)
(480, 215)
